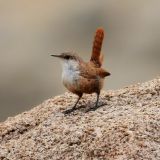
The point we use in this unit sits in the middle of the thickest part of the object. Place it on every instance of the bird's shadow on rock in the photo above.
(84, 108)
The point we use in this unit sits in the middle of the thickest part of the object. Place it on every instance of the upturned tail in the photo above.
(97, 57)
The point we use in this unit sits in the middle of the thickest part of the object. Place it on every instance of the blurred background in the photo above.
(32, 30)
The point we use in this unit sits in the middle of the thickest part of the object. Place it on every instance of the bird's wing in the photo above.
(87, 72)
(90, 72)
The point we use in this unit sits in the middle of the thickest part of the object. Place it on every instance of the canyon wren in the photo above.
(84, 77)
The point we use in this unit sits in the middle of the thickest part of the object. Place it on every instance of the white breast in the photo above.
(70, 72)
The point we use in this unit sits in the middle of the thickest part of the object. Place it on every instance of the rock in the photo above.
(126, 126)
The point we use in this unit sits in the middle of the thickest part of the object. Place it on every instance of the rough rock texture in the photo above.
(126, 126)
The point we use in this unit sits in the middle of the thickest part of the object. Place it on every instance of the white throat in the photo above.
(70, 71)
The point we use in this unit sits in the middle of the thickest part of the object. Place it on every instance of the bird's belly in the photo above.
(90, 85)
(70, 79)
(78, 84)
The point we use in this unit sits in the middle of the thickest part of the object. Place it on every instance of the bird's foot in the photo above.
(92, 109)
(68, 111)
(95, 107)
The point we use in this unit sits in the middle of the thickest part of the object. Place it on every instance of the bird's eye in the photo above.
(67, 57)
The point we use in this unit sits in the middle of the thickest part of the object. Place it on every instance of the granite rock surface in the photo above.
(125, 126)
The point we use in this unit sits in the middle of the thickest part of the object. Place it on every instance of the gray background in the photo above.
(31, 30)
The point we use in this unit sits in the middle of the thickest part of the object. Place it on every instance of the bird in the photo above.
(81, 77)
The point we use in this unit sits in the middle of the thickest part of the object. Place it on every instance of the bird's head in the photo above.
(70, 60)
(67, 56)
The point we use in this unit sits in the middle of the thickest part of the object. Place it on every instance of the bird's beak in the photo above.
(56, 55)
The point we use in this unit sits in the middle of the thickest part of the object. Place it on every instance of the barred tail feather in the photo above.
(96, 56)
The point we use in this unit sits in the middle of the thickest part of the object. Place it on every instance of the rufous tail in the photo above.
(97, 57)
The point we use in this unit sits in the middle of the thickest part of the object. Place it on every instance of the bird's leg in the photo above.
(96, 106)
(74, 107)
